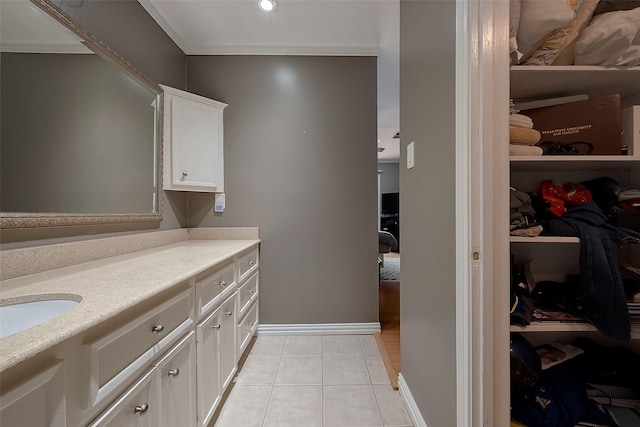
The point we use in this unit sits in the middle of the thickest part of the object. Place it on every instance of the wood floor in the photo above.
(389, 339)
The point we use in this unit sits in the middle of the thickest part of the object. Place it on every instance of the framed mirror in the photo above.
(81, 128)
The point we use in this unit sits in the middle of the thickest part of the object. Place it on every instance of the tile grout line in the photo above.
(375, 396)
(266, 409)
(322, 394)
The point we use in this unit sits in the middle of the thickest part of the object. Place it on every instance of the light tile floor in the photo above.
(313, 381)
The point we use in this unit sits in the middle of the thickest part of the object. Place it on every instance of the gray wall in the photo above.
(427, 206)
(128, 29)
(300, 163)
(389, 178)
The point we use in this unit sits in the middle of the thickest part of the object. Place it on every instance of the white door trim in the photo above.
(482, 171)
(466, 122)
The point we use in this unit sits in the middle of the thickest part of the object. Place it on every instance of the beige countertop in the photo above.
(106, 287)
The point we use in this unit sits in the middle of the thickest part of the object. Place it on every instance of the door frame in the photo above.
(482, 244)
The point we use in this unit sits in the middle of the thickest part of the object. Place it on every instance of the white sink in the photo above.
(18, 316)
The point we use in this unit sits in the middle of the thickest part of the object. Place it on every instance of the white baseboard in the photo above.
(320, 329)
(412, 407)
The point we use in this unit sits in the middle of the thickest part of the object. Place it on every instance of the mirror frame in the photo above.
(24, 220)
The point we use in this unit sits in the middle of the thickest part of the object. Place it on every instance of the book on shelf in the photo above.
(523, 105)
(555, 353)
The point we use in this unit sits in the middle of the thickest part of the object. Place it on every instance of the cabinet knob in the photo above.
(184, 174)
(141, 409)
(223, 283)
(252, 291)
(158, 329)
(216, 326)
(252, 262)
(228, 313)
(174, 372)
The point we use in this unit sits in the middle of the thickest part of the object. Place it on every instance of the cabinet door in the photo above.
(208, 381)
(228, 362)
(38, 402)
(193, 135)
(135, 408)
(176, 375)
(193, 149)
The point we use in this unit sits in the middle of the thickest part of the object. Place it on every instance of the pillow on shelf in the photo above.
(611, 39)
(514, 22)
(605, 6)
(548, 29)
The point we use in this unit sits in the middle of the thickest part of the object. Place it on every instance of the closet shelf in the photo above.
(544, 239)
(538, 82)
(565, 327)
(574, 162)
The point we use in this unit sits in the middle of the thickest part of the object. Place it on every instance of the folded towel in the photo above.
(524, 150)
(533, 231)
(520, 120)
(522, 136)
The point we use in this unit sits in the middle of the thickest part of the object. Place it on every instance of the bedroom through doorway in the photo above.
(390, 267)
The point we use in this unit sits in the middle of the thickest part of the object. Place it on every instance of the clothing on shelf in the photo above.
(600, 277)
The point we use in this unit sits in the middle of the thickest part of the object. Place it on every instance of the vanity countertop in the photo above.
(107, 287)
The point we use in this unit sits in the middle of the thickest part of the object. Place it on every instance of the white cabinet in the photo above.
(215, 357)
(113, 359)
(228, 360)
(193, 154)
(164, 363)
(162, 397)
(37, 402)
(176, 385)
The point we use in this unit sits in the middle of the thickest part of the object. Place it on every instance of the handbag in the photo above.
(554, 148)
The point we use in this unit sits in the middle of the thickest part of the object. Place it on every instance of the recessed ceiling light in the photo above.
(267, 5)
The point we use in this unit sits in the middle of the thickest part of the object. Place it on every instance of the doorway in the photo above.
(389, 280)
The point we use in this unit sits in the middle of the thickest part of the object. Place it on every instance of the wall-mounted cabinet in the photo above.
(193, 152)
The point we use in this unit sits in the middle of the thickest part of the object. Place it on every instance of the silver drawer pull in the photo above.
(184, 174)
(158, 329)
(228, 313)
(174, 372)
(223, 283)
(216, 326)
(251, 262)
(141, 409)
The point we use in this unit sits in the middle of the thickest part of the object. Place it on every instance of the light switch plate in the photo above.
(410, 153)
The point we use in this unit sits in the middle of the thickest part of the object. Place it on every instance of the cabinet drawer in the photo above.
(247, 264)
(135, 408)
(247, 327)
(247, 294)
(120, 354)
(211, 289)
